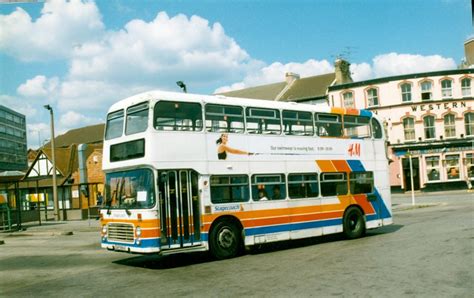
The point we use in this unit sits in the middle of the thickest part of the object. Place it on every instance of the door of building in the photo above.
(416, 173)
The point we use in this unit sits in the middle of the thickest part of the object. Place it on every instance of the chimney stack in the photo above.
(469, 52)
(290, 77)
(343, 73)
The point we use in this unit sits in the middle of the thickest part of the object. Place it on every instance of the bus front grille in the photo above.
(120, 232)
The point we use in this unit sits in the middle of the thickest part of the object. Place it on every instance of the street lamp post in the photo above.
(55, 189)
(411, 180)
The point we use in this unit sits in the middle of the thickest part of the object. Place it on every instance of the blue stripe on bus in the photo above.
(356, 165)
(384, 213)
(144, 243)
(365, 113)
(292, 227)
(381, 211)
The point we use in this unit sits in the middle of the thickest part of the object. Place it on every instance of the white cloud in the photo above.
(276, 71)
(361, 72)
(38, 86)
(394, 64)
(162, 51)
(74, 119)
(61, 27)
(19, 105)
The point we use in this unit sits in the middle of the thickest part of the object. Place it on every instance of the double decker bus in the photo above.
(189, 172)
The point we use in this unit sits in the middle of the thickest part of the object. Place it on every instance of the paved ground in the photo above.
(427, 252)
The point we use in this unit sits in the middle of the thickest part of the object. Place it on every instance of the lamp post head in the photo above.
(48, 107)
(182, 86)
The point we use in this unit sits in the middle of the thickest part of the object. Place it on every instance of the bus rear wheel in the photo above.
(353, 223)
(224, 240)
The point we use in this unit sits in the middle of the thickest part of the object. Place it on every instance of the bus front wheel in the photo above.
(224, 240)
(353, 223)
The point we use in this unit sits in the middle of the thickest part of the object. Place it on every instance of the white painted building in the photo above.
(429, 116)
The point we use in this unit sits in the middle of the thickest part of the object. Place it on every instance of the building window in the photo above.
(348, 100)
(470, 165)
(469, 123)
(449, 126)
(432, 168)
(429, 124)
(406, 92)
(426, 90)
(446, 88)
(452, 166)
(372, 97)
(409, 129)
(466, 87)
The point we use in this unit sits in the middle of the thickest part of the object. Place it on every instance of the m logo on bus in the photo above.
(354, 149)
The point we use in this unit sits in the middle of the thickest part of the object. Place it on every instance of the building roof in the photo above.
(269, 92)
(84, 135)
(401, 78)
(308, 88)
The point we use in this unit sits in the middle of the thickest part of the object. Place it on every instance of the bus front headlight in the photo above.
(104, 230)
(138, 231)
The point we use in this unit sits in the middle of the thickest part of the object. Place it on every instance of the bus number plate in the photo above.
(120, 248)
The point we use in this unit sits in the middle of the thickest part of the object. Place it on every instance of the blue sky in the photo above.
(81, 56)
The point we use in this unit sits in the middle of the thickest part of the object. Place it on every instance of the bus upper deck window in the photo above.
(114, 127)
(183, 116)
(263, 121)
(357, 126)
(328, 125)
(221, 118)
(137, 118)
(298, 123)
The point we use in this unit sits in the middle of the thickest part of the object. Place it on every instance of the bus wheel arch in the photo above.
(353, 222)
(226, 237)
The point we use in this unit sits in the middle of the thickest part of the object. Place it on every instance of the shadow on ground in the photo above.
(156, 262)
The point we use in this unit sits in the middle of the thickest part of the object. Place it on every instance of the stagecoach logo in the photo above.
(226, 208)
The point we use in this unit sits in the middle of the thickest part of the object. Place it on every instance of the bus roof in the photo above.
(156, 95)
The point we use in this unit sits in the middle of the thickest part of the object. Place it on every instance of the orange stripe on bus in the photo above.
(337, 110)
(326, 166)
(351, 111)
(341, 165)
(364, 203)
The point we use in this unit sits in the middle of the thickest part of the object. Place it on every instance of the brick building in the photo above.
(79, 177)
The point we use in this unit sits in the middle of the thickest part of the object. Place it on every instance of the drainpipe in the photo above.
(81, 152)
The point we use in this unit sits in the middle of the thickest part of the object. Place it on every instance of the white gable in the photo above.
(42, 167)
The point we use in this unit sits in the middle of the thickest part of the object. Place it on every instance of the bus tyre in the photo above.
(224, 240)
(353, 223)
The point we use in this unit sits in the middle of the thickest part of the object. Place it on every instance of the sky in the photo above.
(82, 56)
